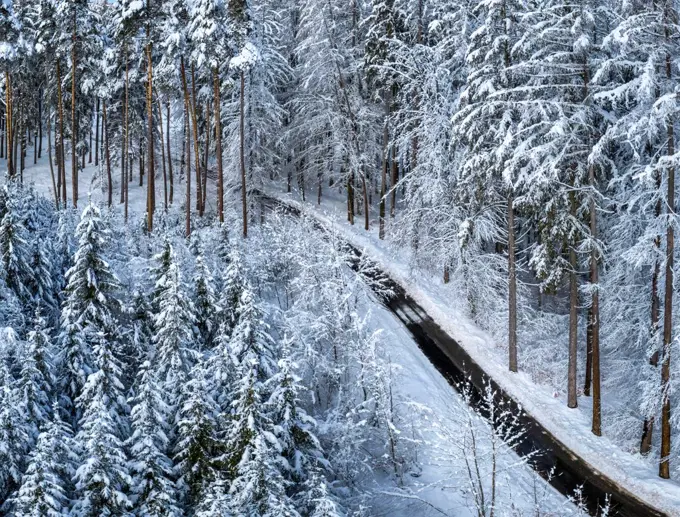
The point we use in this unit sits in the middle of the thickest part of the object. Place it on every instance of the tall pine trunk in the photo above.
(218, 143)
(572, 401)
(165, 174)
(664, 465)
(187, 105)
(197, 152)
(74, 121)
(96, 135)
(107, 154)
(167, 130)
(151, 178)
(60, 146)
(49, 156)
(594, 313)
(242, 156)
(8, 110)
(512, 287)
(385, 166)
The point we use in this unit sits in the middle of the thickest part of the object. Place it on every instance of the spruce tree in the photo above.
(196, 444)
(102, 477)
(45, 488)
(37, 382)
(14, 441)
(174, 340)
(153, 491)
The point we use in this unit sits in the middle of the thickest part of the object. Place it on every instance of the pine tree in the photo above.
(89, 308)
(205, 302)
(37, 382)
(293, 426)
(102, 477)
(14, 440)
(215, 501)
(251, 345)
(153, 492)
(196, 445)
(174, 339)
(233, 283)
(45, 487)
(15, 253)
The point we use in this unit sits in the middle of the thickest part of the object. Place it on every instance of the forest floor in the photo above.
(572, 427)
(434, 415)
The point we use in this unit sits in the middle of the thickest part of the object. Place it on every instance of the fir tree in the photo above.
(205, 302)
(37, 382)
(102, 477)
(14, 441)
(153, 492)
(174, 338)
(196, 438)
(45, 487)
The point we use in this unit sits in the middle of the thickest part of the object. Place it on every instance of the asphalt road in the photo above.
(548, 454)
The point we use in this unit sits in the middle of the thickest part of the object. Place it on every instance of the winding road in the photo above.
(569, 471)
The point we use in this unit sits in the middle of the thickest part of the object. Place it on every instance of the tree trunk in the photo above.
(573, 315)
(151, 178)
(218, 143)
(40, 124)
(8, 110)
(74, 121)
(107, 155)
(364, 188)
(165, 176)
(197, 151)
(89, 157)
(187, 104)
(589, 354)
(60, 147)
(204, 187)
(512, 287)
(242, 157)
(172, 182)
(664, 466)
(49, 158)
(96, 135)
(126, 139)
(595, 312)
(385, 165)
(394, 181)
(648, 425)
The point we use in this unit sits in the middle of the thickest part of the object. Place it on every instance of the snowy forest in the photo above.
(174, 342)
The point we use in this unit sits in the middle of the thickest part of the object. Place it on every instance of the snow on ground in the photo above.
(442, 478)
(571, 427)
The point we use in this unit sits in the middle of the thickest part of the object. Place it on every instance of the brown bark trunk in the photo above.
(49, 158)
(242, 157)
(218, 144)
(74, 121)
(60, 146)
(187, 104)
(595, 313)
(165, 175)
(573, 315)
(172, 182)
(197, 151)
(385, 165)
(8, 104)
(107, 154)
(96, 135)
(151, 178)
(512, 287)
(204, 186)
(589, 354)
(664, 465)
(364, 188)
(648, 425)
(350, 198)
(394, 180)
(40, 124)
